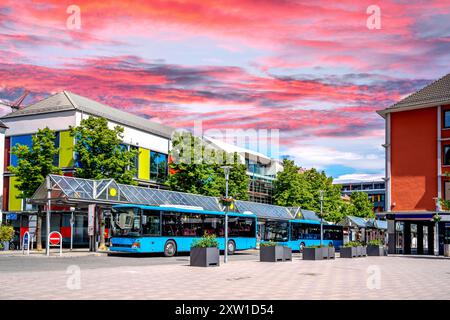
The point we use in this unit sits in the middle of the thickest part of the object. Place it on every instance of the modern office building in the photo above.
(65, 109)
(376, 190)
(261, 169)
(418, 169)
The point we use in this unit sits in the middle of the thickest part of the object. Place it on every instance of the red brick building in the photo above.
(417, 164)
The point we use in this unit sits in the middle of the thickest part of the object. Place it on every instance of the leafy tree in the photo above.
(290, 187)
(100, 153)
(33, 166)
(293, 187)
(360, 205)
(196, 168)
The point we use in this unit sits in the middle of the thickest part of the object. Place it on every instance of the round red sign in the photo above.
(54, 238)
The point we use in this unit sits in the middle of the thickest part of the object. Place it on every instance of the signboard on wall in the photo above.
(91, 219)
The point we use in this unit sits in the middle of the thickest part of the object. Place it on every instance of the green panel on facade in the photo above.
(65, 149)
(144, 164)
(15, 204)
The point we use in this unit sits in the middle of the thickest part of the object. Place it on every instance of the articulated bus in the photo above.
(144, 229)
(298, 233)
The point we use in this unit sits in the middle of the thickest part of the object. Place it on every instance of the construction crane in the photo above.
(16, 105)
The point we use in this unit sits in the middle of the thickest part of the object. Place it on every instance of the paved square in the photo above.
(244, 277)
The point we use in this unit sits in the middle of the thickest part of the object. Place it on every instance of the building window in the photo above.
(57, 145)
(446, 155)
(158, 166)
(447, 119)
(25, 140)
(135, 161)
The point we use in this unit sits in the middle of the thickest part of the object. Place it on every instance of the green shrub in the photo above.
(375, 242)
(207, 241)
(352, 244)
(6, 233)
(268, 244)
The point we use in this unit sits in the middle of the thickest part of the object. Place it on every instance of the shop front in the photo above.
(418, 233)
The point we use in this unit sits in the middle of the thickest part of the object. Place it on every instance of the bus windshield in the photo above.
(126, 222)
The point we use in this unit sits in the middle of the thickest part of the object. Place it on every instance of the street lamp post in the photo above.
(227, 175)
(436, 237)
(321, 217)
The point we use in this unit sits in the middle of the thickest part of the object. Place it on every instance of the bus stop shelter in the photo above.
(95, 197)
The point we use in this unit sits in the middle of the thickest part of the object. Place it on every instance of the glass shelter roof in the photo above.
(74, 191)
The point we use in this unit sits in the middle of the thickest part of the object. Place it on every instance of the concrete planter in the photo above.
(363, 251)
(287, 254)
(205, 257)
(447, 250)
(358, 251)
(329, 252)
(348, 252)
(314, 253)
(375, 251)
(274, 253)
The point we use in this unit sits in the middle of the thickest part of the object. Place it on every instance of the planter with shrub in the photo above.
(318, 252)
(6, 235)
(353, 249)
(375, 248)
(205, 252)
(272, 252)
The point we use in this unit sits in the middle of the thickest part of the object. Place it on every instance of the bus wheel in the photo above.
(302, 246)
(170, 248)
(231, 247)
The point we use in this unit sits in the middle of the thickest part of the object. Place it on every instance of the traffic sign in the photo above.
(54, 238)
(26, 237)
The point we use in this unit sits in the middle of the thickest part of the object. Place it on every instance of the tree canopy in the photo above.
(195, 167)
(295, 187)
(100, 152)
(36, 163)
(360, 205)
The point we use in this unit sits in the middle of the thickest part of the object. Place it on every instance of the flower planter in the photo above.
(5, 245)
(329, 253)
(358, 251)
(363, 251)
(287, 254)
(375, 251)
(204, 257)
(274, 253)
(348, 252)
(446, 250)
(314, 253)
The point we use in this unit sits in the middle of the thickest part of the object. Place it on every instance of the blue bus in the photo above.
(299, 233)
(144, 229)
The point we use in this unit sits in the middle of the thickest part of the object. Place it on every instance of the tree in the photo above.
(293, 188)
(33, 166)
(290, 189)
(101, 155)
(100, 152)
(360, 205)
(196, 168)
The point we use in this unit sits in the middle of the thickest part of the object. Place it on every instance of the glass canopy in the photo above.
(73, 190)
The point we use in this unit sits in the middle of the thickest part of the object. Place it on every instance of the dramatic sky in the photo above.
(312, 69)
